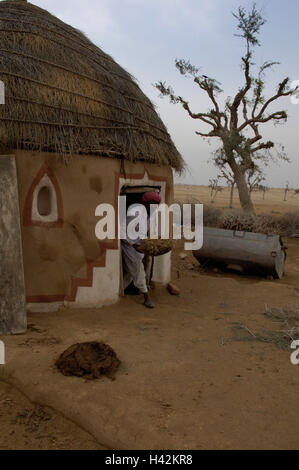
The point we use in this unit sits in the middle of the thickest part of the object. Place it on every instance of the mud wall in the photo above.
(59, 258)
(12, 289)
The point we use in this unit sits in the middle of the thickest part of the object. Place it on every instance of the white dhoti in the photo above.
(133, 268)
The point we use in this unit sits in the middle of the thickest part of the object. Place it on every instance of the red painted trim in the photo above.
(27, 213)
(105, 245)
(87, 281)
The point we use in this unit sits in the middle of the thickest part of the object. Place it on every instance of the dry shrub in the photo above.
(237, 221)
(284, 315)
(285, 225)
(289, 223)
(281, 338)
(250, 223)
(211, 216)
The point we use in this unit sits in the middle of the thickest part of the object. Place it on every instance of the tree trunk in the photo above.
(231, 195)
(244, 193)
(214, 197)
(285, 195)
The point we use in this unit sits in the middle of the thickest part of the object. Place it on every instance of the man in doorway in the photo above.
(133, 267)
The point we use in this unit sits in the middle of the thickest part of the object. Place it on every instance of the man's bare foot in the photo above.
(148, 302)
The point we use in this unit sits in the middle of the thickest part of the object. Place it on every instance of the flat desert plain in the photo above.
(273, 203)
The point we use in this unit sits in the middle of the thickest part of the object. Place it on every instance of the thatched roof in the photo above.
(65, 95)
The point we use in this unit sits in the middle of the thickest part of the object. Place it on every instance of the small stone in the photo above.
(172, 289)
(183, 256)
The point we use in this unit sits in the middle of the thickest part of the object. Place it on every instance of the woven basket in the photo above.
(155, 247)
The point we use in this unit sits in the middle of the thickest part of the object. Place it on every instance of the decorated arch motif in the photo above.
(43, 204)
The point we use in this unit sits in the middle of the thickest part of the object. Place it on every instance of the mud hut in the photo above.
(81, 132)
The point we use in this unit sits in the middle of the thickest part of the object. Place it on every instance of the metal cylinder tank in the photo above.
(243, 251)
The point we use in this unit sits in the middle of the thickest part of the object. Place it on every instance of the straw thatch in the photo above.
(65, 95)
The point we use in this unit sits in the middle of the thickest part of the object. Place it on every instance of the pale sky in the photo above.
(145, 37)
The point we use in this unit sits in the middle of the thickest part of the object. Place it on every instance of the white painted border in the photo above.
(105, 285)
(35, 215)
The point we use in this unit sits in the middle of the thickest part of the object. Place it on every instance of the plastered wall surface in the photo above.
(63, 261)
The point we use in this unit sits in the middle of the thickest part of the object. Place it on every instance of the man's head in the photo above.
(149, 198)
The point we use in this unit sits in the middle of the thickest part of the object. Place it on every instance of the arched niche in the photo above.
(43, 205)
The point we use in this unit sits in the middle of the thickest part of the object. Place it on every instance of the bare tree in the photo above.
(212, 185)
(230, 180)
(218, 190)
(254, 178)
(263, 188)
(215, 188)
(286, 190)
(237, 124)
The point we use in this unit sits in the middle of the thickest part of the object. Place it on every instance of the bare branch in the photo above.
(282, 91)
(263, 146)
(207, 118)
(241, 94)
(277, 116)
(210, 134)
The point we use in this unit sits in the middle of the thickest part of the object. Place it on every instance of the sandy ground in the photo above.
(25, 425)
(186, 380)
(272, 204)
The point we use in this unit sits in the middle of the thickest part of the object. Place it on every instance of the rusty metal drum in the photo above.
(243, 251)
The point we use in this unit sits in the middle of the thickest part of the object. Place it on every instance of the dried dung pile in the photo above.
(91, 360)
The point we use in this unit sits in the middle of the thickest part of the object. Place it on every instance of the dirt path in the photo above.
(27, 426)
(185, 380)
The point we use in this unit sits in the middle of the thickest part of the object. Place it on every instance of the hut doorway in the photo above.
(134, 195)
(133, 190)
